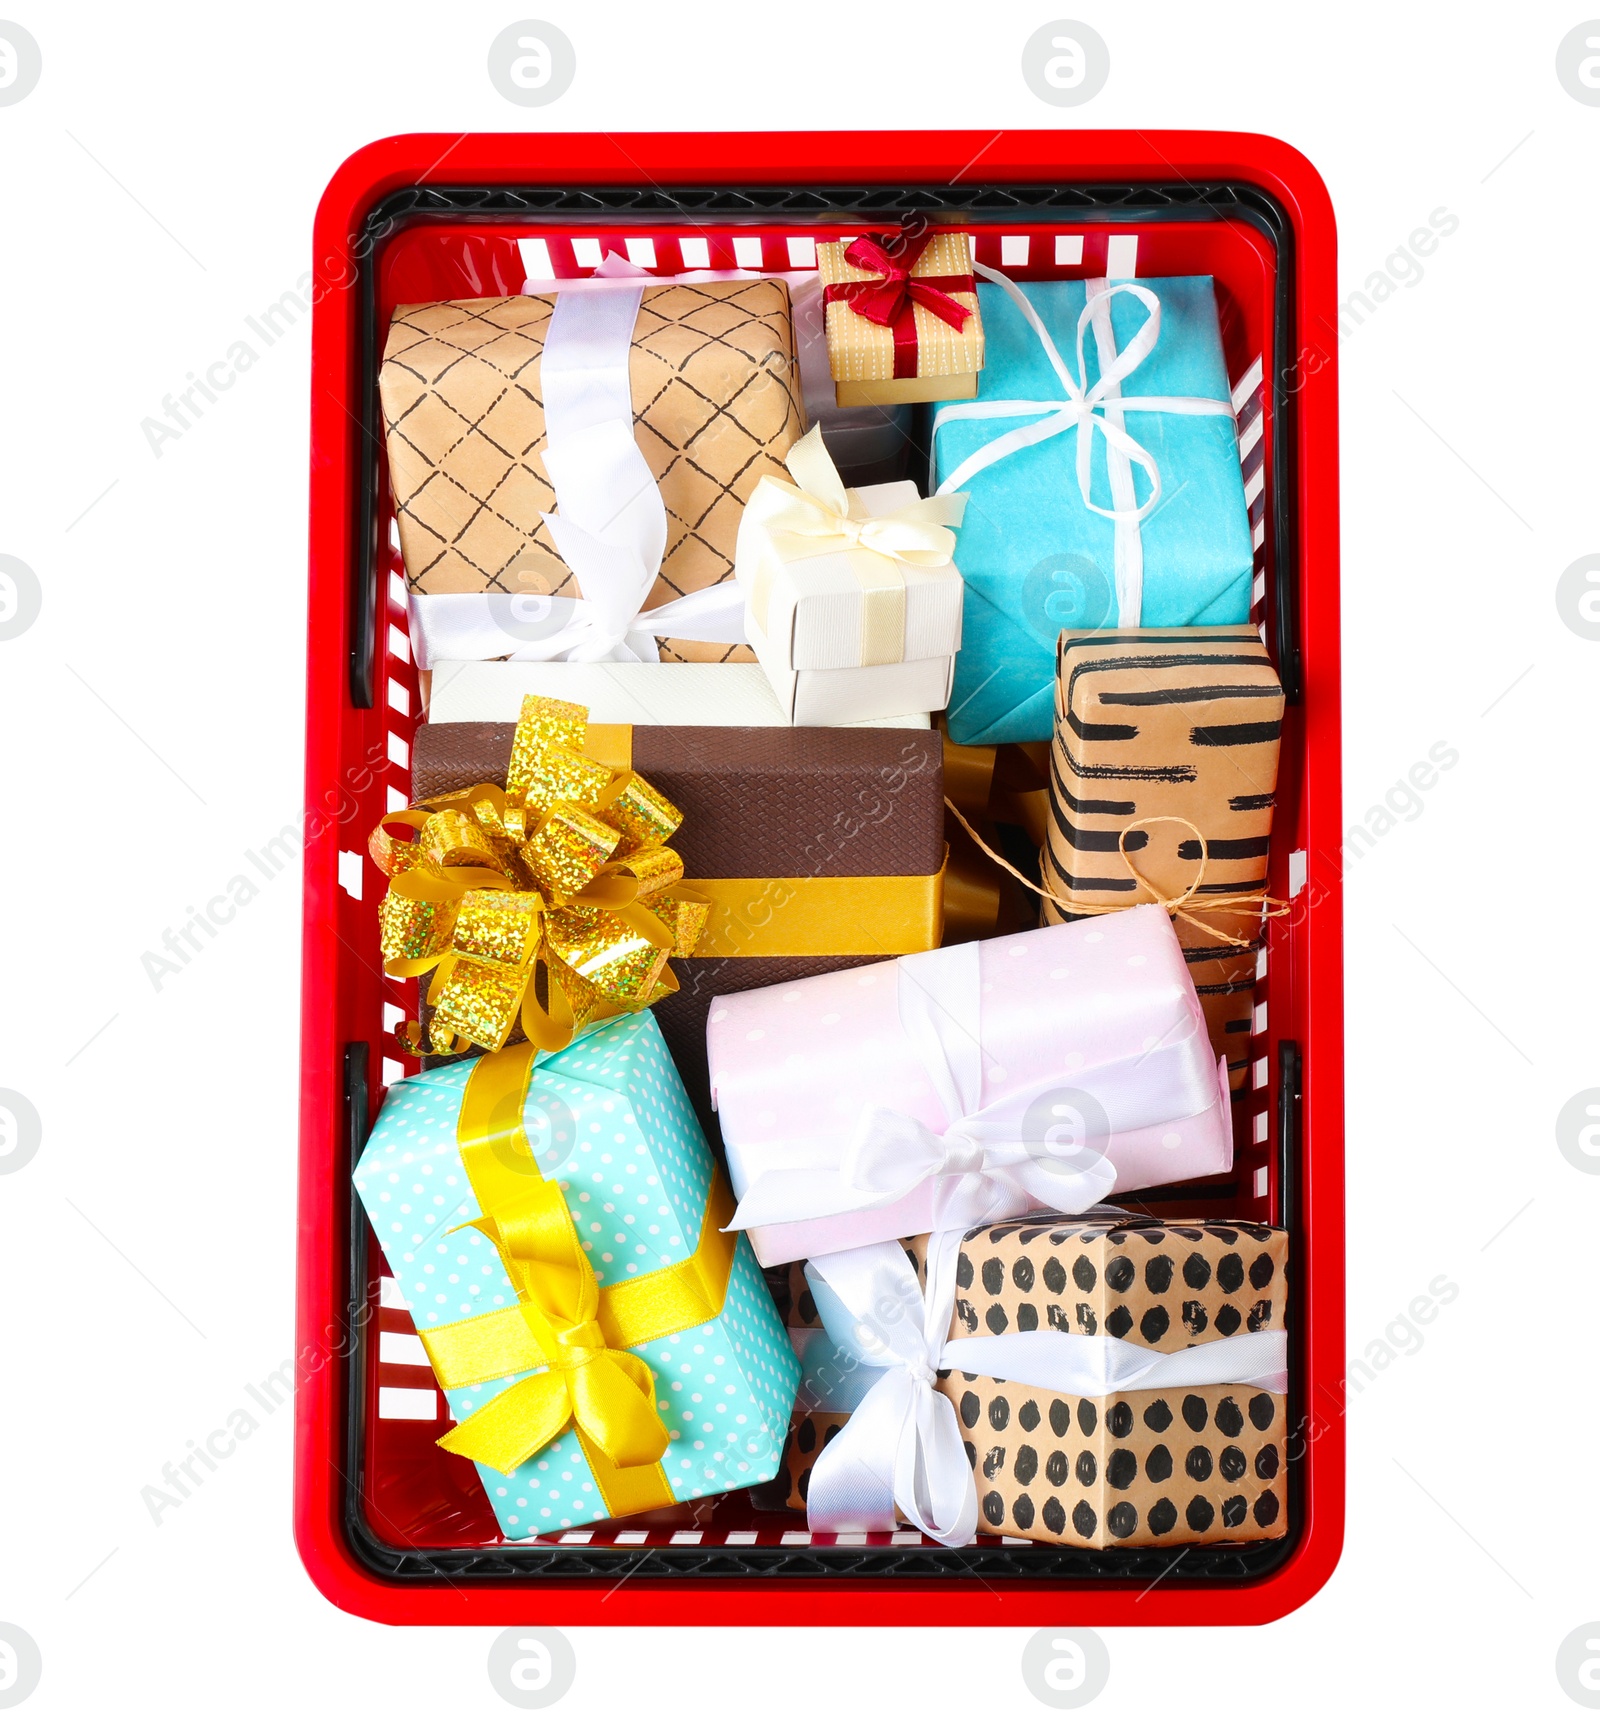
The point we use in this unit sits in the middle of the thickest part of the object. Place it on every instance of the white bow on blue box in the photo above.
(1101, 462)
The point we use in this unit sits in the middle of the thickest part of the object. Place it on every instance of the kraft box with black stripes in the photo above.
(1165, 739)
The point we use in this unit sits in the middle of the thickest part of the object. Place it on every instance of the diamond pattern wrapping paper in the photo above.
(716, 400)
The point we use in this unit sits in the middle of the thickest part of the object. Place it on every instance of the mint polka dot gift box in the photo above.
(555, 1222)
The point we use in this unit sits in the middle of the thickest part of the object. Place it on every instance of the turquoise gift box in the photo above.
(1037, 558)
(608, 1120)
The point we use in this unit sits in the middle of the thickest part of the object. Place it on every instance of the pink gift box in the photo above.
(1031, 1072)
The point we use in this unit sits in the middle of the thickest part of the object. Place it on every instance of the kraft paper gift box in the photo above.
(1165, 740)
(1041, 1070)
(1077, 529)
(1098, 1382)
(831, 1383)
(623, 693)
(816, 848)
(595, 1159)
(504, 486)
(903, 320)
(853, 606)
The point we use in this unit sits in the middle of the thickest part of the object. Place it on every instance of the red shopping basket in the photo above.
(388, 1524)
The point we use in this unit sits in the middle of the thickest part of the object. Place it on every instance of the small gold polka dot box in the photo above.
(902, 317)
(1171, 1457)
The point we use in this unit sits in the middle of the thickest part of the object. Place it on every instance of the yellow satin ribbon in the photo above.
(564, 1324)
(820, 515)
(820, 915)
(552, 901)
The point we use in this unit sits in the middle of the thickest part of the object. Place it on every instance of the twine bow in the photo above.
(1183, 905)
(881, 299)
(549, 900)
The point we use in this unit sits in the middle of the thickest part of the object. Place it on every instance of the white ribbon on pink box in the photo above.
(945, 1090)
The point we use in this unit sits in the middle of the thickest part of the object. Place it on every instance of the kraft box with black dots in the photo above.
(1155, 1463)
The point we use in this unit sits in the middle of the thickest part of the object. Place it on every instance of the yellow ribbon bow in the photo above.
(819, 514)
(550, 900)
(564, 1323)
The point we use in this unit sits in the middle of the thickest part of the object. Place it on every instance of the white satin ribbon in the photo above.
(1089, 409)
(900, 1455)
(989, 1162)
(902, 1448)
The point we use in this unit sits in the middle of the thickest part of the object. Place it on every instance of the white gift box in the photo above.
(867, 624)
(629, 693)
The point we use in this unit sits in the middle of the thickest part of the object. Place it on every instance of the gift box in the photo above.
(623, 693)
(539, 900)
(1085, 513)
(815, 849)
(594, 445)
(852, 604)
(972, 1083)
(1164, 769)
(831, 1384)
(903, 318)
(555, 1223)
(998, 803)
(1101, 1382)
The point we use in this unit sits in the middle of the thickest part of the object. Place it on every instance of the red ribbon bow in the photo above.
(882, 299)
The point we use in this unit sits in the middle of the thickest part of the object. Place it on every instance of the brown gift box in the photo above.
(775, 815)
(1178, 723)
(716, 402)
(1181, 1465)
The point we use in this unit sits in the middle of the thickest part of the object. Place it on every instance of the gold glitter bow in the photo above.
(550, 900)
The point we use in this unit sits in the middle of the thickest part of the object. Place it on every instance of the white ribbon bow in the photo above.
(900, 1456)
(1089, 409)
(902, 1447)
(990, 1162)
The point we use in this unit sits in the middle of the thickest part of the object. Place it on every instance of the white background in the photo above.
(158, 187)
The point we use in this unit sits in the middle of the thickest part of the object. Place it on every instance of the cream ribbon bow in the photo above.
(817, 515)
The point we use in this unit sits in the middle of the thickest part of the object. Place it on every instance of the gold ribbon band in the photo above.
(611, 743)
(564, 1324)
(753, 916)
(820, 915)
